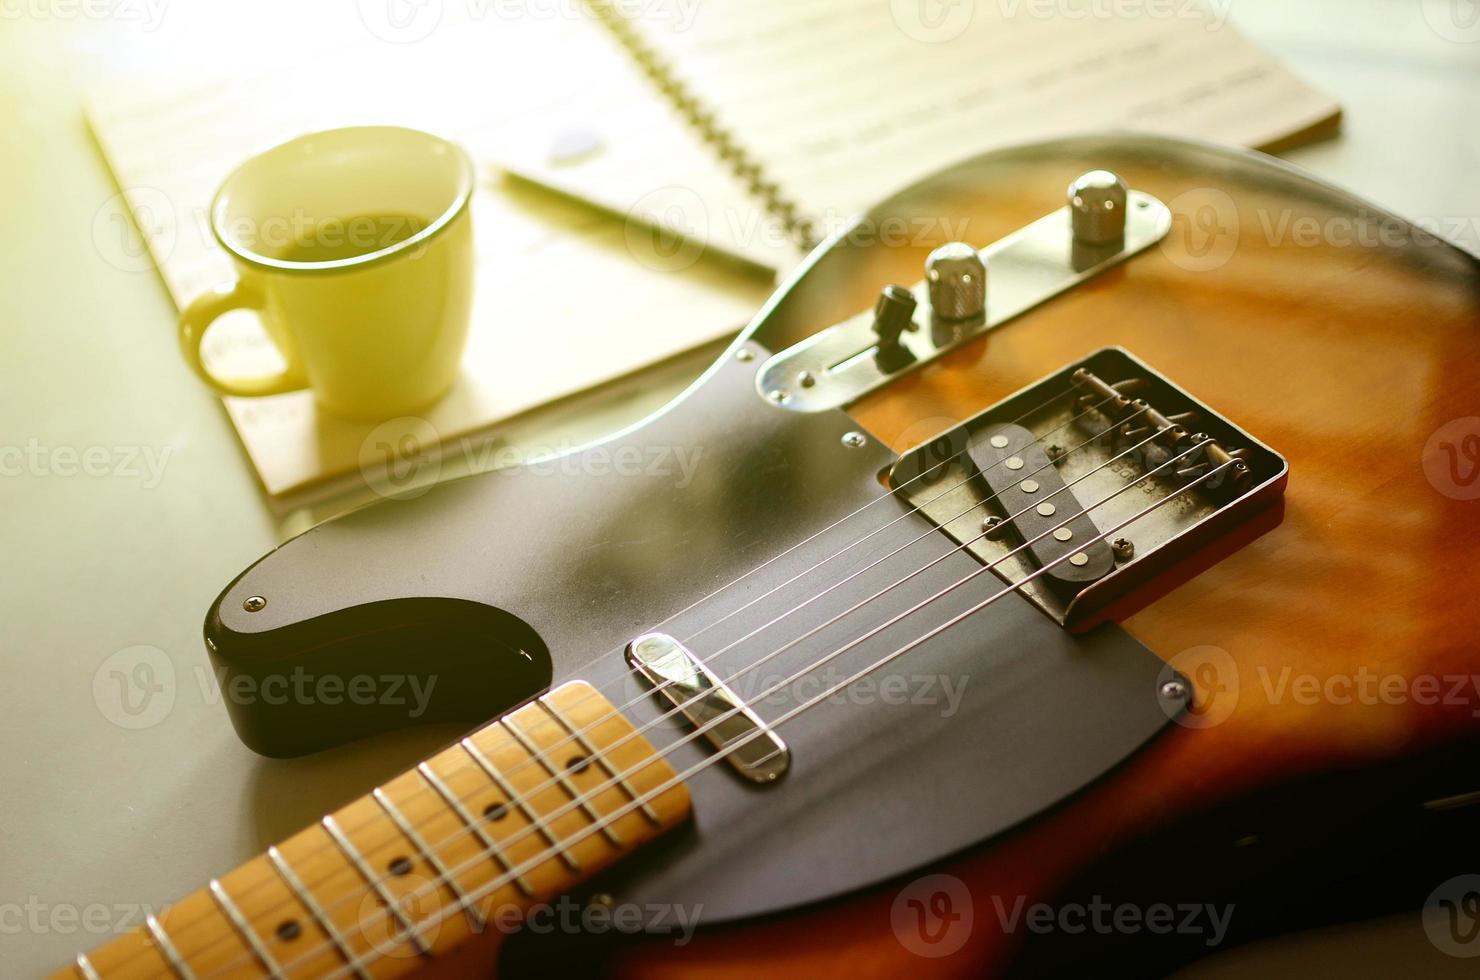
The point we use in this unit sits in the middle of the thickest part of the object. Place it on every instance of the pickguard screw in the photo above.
(1055, 452)
(744, 354)
(854, 440)
(254, 604)
(1174, 690)
(1123, 549)
(991, 525)
(778, 396)
(806, 380)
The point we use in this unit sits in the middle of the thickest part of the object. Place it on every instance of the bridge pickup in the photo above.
(1100, 440)
(1040, 508)
(690, 687)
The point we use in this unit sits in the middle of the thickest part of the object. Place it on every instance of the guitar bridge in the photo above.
(1034, 485)
(748, 744)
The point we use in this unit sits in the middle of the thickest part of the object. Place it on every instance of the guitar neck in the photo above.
(425, 873)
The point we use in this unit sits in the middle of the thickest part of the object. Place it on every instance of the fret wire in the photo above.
(317, 910)
(559, 776)
(679, 778)
(85, 967)
(218, 892)
(167, 947)
(475, 917)
(329, 928)
(484, 837)
(414, 935)
(579, 736)
(517, 800)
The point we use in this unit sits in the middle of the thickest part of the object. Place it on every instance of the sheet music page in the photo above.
(566, 297)
(845, 101)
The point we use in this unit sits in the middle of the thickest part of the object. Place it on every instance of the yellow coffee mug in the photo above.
(355, 247)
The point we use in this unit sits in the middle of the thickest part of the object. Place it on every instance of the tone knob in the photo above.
(893, 315)
(958, 281)
(1097, 200)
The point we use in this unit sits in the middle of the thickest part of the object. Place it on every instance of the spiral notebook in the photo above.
(696, 149)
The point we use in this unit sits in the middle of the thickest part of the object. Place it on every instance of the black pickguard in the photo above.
(502, 583)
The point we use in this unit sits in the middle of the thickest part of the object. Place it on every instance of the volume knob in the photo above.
(958, 281)
(1097, 201)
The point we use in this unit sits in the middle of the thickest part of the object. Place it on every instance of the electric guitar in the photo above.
(1040, 580)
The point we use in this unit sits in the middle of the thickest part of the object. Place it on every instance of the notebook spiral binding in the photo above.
(744, 166)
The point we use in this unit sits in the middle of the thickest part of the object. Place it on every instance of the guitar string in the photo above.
(574, 736)
(646, 693)
(679, 778)
(544, 821)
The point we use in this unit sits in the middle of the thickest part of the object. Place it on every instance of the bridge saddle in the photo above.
(1027, 485)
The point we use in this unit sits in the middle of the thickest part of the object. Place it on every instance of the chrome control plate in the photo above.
(1034, 264)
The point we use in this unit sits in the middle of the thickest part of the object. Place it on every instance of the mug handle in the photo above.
(197, 319)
